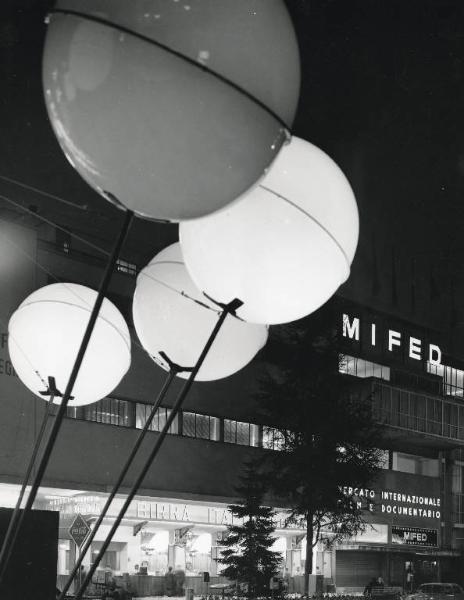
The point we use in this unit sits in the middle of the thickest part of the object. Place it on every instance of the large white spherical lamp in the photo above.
(45, 334)
(172, 316)
(283, 248)
(175, 108)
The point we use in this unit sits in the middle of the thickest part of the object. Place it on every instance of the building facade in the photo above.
(414, 524)
(414, 511)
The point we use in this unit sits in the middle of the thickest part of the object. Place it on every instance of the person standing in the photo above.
(179, 576)
(285, 581)
(368, 589)
(169, 583)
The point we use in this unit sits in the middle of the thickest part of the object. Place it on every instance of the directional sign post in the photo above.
(79, 530)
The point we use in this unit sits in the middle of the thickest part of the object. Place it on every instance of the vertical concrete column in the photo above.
(172, 549)
(133, 553)
(179, 557)
(334, 565)
(289, 554)
(215, 553)
(176, 552)
(445, 466)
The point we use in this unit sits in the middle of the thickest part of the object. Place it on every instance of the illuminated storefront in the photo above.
(156, 533)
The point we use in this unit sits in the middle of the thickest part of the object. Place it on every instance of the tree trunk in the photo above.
(309, 550)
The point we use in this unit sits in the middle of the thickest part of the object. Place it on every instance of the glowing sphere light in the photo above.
(283, 248)
(175, 108)
(45, 334)
(172, 316)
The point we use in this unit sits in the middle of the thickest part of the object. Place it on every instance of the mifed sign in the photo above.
(390, 340)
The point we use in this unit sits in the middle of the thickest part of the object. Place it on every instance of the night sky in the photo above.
(382, 93)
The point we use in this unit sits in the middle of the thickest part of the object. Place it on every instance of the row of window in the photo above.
(453, 379)
(128, 414)
(112, 411)
(418, 412)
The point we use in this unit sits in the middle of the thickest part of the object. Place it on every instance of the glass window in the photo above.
(417, 465)
(384, 459)
(435, 369)
(237, 432)
(273, 439)
(453, 378)
(110, 411)
(126, 267)
(457, 479)
(404, 463)
(243, 433)
(454, 382)
(200, 426)
(110, 560)
(142, 412)
(358, 367)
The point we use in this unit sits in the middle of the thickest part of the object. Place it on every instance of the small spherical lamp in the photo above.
(175, 108)
(45, 334)
(284, 247)
(172, 316)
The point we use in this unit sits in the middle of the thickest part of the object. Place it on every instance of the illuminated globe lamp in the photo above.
(173, 108)
(172, 316)
(46, 331)
(285, 247)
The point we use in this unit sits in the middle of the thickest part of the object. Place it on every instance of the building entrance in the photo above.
(409, 571)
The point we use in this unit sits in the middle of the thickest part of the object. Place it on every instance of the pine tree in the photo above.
(248, 557)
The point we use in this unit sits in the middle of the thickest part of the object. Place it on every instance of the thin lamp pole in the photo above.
(162, 394)
(9, 541)
(227, 309)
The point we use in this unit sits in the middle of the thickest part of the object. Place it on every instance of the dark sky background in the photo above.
(382, 93)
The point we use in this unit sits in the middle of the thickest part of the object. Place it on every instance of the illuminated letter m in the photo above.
(350, 330)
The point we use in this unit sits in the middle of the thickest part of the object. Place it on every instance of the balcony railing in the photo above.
(418, 412)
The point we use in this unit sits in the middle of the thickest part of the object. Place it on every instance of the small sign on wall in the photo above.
(414, 536)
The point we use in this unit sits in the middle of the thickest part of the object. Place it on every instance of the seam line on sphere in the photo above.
(318, 223)
(28, 360)
(164, 262)
(172, 288)
(84, 308)
(166, 48)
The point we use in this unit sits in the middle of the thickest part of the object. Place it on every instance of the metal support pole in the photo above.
(162, 394)
(8, 542)
(228, 309)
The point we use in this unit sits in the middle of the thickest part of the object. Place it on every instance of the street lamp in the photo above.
(44, 334)
(173, 108)
(284, 247)
(171, 315)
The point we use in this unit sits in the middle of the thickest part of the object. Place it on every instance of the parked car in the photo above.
(437, 591)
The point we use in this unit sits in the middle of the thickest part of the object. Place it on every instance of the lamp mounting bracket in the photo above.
(229, 308)
(52, 390)
(172, 365)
